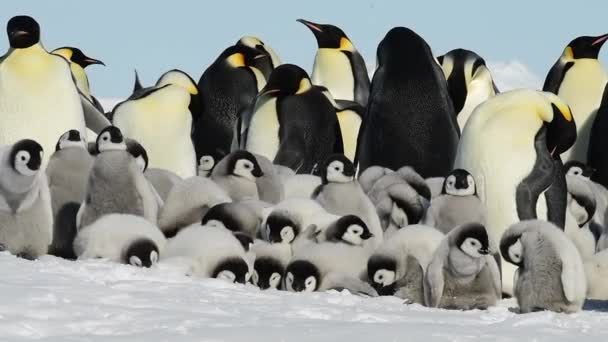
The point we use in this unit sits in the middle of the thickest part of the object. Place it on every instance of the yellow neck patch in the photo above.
(346, 45)
(568, 53)
(236, 60)
(67, 53)
(305, 85)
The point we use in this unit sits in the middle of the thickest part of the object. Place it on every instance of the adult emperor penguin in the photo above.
(530, 129)
(38, 87)
(265, 65)
(25, 201)
(292, 123)
(397, 267)
(338, 65)
(410, 118)
(551, 275)
(579, 79)
(227, 86)
(159, 118)
(122, 238)
(469, 81)
(597, 158)
(78, 62)
(463, 274)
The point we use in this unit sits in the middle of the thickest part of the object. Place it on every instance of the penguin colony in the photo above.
(425, 183)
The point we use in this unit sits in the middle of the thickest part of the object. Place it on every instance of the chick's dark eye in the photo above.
(22, 158)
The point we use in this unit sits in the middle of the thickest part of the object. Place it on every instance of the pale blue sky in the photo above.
(156, 36)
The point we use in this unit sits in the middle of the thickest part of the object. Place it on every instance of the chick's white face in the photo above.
(335, 173)
(275, 280)
(65, 142)
(287, 234)
(206, 163)
(384, 277)
(106, 144)
(309, 284)
(472, 247)
(516, 252)
(141, 163)
(22, 158)
(353, 234)
(244, 168)
(227, 276)
(450, 186)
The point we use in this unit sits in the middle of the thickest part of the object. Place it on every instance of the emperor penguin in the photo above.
(341, 194)
(121, 238)
(237, 174)
(160, 119)
(530, 129)
(579, 79)
(410, 118)
(463, 274)
(179, 77)
(227, 86)
(577, 168)
(210, 252)
(271, 259)
(38, 87)
(550, 274)
(348, 229)
(234, 216)
(458, 203)
(292, 122)
(78, 62)
(397, 267)
(116, 183)
(265, 65)
(338, 65)
(469, 81)
(597, 158)
(25, 202)
(582, 206)
(328, 266)
(205, 166)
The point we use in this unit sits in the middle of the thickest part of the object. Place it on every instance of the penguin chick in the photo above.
(121, 238)
(210, 252)
(25, 202)
(205, 166)
(581, 205)
(327, 266)
(237, 174)
(162, 180)
(397, 267)
(349, 229)
(458, 203)
(551, 275)
(270, 262)
(78, 62)
(110, 139)
(463, 274)
(301, 186)
(270, 187)
(236, 217)
(596, 269)
(577, 168)
(139, 153)
(187, 203)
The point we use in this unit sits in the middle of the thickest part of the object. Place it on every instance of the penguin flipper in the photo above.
(352, 284)
(98, 105)
(495, 272)
(65, 231)
(556, 76)
(94, 119)
(434, 282)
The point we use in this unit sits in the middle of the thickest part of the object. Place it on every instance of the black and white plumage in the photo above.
(582, 206)
(270, 262)
(234, 216)
(463, 274)
(26, 217)
(237, 174)
(206, 164)
(550, 274)
(348, 229)
(398, 265)
(265, 64)
(121, 238)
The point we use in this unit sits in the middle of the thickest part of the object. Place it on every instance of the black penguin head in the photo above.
(350, 229)
(460, 67)
(287, 79)
(268, 273)
(266, 64)
(234, 270)
(329, 36)
(281, 229)
(26, 157)
(402, 46)
(577, 168)
(71, 138)
(302, 276)
(223, 215)
(244, 164)
(382, 274)
(244, 239)
(561, 131)
(585, 47)
(142, 253)
(337, 169)
(473, 240)
(511, 249)
(75, 55)
(241, 56)
(139, 153)
(23, 31)
(459, 183)
(110, 139)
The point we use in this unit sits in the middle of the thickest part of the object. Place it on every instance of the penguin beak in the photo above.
(265, 92)
(19, 33)
(600, 40)
(257, 172)
(90, 61)
(484, 251)
(367, 235)
(263, 55)
(310, 25)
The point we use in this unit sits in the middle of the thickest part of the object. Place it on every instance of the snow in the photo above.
(58, 300)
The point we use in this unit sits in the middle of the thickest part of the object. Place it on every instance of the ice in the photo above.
(58, 300)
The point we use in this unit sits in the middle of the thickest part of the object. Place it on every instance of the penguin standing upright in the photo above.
(597, 155)
(292, 123)
(410, 118)
(38, 96)
(265, 65)
(338, 65)
(227, 86)
(579, 79)
(508, 146)
(469, 81)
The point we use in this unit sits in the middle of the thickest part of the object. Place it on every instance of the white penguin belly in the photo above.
(478, 92)
(38, 100)
(263, 132)
(350, 123)
(332, 70)
(582, 89)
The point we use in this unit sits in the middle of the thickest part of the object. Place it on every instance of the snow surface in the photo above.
(58, 300)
